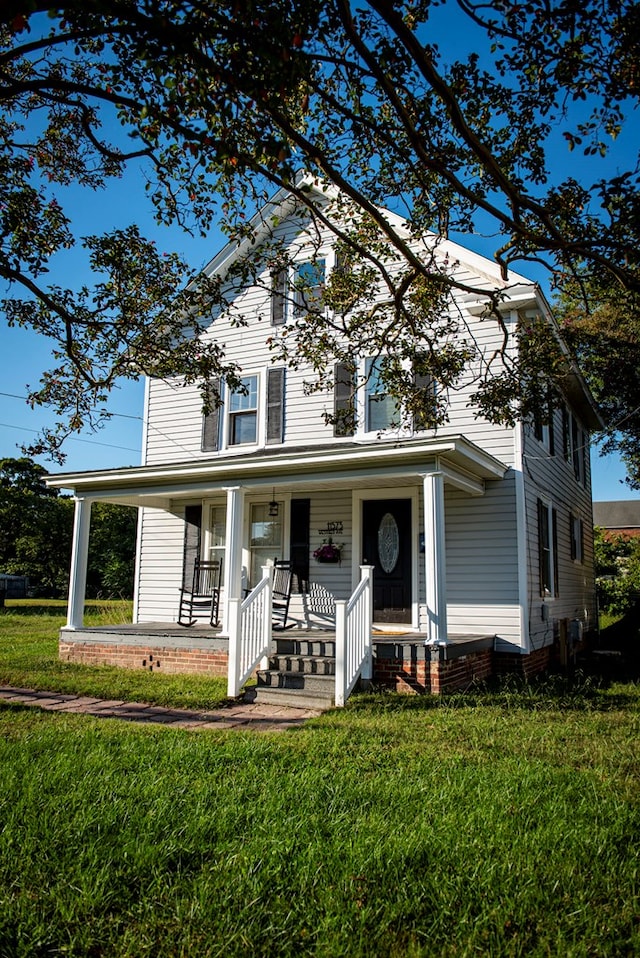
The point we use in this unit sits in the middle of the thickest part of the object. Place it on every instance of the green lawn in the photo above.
(29, 659)
(499, 823)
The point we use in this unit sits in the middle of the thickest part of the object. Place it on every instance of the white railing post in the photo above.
(233, 668)
(366, 572)
(341, 643)
(267, 623)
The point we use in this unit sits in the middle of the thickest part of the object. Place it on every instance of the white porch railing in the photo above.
(354, 618)
(249, 632)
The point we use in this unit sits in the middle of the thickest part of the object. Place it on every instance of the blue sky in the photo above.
(24, 356)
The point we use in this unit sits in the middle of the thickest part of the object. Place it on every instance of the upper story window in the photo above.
(381, 409)
(543, 426)
(576, 530)
(548, 549)
(369, 408)
(243, 412)
(251, 415)
(575, 443)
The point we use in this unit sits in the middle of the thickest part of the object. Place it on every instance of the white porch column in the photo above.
(233, 551)
(435, 557)
(79, 555)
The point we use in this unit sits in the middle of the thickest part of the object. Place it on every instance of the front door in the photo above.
(386, 545)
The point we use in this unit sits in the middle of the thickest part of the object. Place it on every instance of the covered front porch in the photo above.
(401, 661)
(334, 482)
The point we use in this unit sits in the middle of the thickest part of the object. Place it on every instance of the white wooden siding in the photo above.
(174, 416)
(482, 562)
(551, 478)
(161, 550)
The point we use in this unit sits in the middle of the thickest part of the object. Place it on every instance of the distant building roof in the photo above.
(622, 514)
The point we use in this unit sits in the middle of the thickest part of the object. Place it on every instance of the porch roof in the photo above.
(462, 463)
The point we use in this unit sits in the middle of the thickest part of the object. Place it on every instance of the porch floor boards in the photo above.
(201, 635)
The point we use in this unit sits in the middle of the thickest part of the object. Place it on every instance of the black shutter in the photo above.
(556, 578)
(192, 539)
(572, 535)
(584, 458)
(343, 400)
(575, 446)
(423, 384)
(278, 291)
(566, 433)
(275, 405)
(299, 543)
(211, 421)
(552, 437)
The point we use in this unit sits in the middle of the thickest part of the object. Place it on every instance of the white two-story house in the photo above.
(479, 535)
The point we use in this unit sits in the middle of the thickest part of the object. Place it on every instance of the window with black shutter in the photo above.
(548, 550)
(211, 420)
(344, 400)
(275, 405)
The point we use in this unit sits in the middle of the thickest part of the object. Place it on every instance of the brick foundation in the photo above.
(526, 666)
(153, 659)
(403, 667)
(460, 673)
(414, 668)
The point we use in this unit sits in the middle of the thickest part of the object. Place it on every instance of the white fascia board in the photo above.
(446, 249)
(314, 464)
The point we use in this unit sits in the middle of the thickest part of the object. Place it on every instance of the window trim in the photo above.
(576, 533)
(548, 565)
(372, 374)
(301, 300)
(575, 442)
(232, 415)
(543, 427)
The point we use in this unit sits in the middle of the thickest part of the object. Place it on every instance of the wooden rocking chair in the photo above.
(282, 579)
(202, 593)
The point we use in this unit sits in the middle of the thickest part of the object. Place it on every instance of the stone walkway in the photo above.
(256, 717)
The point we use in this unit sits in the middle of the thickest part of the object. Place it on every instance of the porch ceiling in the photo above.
(310, 468)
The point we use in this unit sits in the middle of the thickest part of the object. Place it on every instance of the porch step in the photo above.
(321, 647)
(311, 689)
(305, 664)
(301, 672)
(293, 698)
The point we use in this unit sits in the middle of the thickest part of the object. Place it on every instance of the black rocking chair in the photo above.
(282, 578)
(202, 593)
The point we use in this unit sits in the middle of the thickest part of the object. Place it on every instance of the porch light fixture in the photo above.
(273, 505)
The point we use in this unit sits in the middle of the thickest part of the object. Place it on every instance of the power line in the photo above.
(91, 442)
(120, 415)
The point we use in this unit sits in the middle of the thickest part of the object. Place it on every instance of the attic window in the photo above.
(308, 285)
